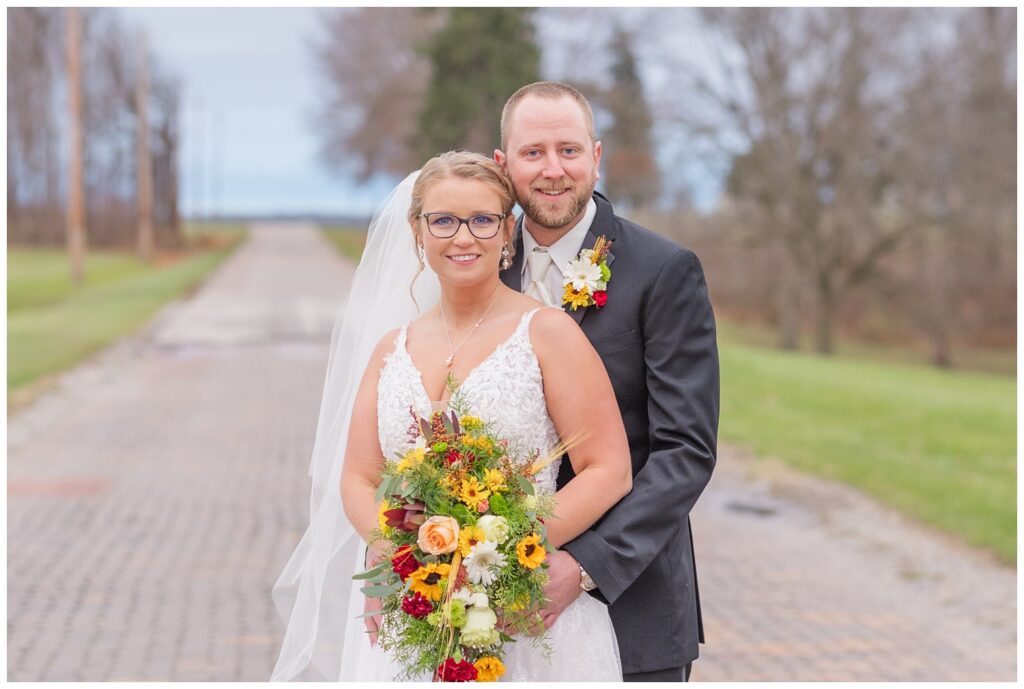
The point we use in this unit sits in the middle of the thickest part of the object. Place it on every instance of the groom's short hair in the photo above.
(550, 90)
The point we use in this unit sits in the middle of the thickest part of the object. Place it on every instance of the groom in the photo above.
(655, 333)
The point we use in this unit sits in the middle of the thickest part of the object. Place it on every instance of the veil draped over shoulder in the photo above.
(315, 594)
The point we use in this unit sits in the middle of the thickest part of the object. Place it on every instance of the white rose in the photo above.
(495, 528)
(479, 629)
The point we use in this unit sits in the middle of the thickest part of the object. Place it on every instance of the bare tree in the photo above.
(145, 159)
(36, 55)
(801, 101)
(374, 80)
(957, 179)
(76, 186)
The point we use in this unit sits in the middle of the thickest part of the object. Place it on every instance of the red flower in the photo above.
(453, 456)
(461, 577)
(600, 298)
(483, 506)
(416, 605)
(407, 517)
(403, 563)
(451, 671)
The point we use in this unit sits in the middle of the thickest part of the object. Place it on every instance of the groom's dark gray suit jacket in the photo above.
(656, 336)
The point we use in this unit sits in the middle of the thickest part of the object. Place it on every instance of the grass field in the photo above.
(52, 324)
(346, 240)
(939, 446)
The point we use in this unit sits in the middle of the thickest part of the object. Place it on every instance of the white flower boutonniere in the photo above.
(586, 277)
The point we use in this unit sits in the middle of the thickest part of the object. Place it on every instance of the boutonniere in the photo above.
(586, 277)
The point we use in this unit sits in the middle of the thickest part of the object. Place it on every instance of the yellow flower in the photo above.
(471, 423)
(479, 442)
(574, 298)
(519, 603)
(530, 552)
(385, 505)
(426, 580)
(495, 480)
(472, 493)
(489, 669)
(412, 458)
(469, 536)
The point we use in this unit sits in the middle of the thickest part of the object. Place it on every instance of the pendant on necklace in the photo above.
(448, 361)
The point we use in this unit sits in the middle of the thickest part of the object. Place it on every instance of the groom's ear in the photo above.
(500, 159)
(597, 158)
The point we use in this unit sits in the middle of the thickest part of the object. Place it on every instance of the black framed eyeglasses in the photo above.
(446, 225)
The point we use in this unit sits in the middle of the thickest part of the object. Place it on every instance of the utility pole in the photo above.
(144, 161)
(76, 177)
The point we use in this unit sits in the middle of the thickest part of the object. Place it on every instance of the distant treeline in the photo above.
(38, 123)
(869, 154)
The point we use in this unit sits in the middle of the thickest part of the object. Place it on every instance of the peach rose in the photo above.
(438, 535)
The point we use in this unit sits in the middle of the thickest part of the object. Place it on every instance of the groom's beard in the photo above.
(540, 212)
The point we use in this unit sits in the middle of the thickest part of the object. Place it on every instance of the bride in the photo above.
(528, 370)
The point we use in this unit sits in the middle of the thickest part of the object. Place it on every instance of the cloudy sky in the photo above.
(250, 86)
(248, 143)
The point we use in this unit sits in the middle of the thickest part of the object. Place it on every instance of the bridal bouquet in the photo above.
(466, 545)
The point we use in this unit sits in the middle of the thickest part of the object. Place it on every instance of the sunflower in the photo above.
(469, 536)
(472, 493)
(382, 519)
(530, 552)
(426, 580)
(489, 669)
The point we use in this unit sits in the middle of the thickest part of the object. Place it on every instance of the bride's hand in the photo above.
(563, 586)
(372, 623)
(372, 604)
(514, 625)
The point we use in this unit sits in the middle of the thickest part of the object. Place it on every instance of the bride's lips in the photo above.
(463, 259)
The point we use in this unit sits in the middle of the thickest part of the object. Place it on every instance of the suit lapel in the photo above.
(604, 224)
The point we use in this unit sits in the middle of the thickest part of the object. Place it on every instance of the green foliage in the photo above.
(52, 326)
(631, 172)
(479, 59)
(348, 241)
(938, 445)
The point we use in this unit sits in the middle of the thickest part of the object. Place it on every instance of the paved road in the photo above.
(155, 494)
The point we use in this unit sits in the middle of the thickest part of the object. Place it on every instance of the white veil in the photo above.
(314, 593)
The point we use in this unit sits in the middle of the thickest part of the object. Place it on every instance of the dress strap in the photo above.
(524, 322)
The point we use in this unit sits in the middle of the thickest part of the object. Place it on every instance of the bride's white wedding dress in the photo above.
(506, 390)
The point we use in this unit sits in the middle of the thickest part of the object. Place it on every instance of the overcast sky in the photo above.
(250, 83)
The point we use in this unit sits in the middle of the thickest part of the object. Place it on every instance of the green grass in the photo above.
(939, 446)
(1001, 360)
(51, 324)
(348, 241)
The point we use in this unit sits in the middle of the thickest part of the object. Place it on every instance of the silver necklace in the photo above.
(451, 356)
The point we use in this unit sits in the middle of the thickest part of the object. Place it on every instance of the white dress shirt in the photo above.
(562, 251)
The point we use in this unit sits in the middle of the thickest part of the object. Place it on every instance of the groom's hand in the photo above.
(563, 586)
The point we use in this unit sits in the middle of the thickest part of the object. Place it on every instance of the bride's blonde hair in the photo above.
(464, 165)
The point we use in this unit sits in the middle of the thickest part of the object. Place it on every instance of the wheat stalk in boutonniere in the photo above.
(586, 277)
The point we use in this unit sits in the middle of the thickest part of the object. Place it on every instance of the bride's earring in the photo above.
(419, 254)
(505, 260)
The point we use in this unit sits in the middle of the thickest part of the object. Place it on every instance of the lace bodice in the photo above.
(505, 389)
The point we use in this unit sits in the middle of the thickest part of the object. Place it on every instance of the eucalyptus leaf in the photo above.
(525, 485)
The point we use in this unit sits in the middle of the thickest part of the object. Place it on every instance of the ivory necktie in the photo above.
(540, 261)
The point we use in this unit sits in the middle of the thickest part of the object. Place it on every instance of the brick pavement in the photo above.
(156, 492)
